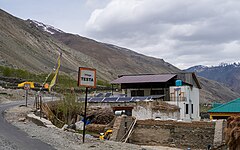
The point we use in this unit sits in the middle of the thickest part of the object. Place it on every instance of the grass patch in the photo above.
(204, 108)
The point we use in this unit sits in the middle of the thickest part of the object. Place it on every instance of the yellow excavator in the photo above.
(31, 85)
(23, 84)
(106, 135)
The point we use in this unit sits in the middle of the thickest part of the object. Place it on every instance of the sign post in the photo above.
(26, 88)
(87, 78)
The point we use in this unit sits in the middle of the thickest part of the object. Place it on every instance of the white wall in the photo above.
(192, 97)
(142, 113)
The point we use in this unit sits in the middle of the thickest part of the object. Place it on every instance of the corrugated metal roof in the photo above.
(144, 78)
(230, 107)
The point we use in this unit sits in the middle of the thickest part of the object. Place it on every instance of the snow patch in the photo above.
(47, 28)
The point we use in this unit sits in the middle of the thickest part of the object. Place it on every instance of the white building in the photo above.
(185, 95)
(187, 99)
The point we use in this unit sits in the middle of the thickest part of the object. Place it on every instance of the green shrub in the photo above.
(69, 108)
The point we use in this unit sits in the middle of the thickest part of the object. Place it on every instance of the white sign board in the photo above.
(26, 86)
(87, 77)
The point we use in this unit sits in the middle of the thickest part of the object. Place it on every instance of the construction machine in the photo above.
(106, 135)
(29, 84)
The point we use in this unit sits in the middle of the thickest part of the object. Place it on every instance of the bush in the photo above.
(69, 108)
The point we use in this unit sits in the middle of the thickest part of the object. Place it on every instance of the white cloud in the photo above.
(183, 32)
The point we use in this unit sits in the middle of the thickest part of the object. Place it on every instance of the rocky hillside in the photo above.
(213, 91)
(228, 74)
(25, 47)
(34, 46)
(113, 59)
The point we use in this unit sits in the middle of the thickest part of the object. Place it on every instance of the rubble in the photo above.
(79, 125)
(97, 128)
(100, 116)
(21, 119)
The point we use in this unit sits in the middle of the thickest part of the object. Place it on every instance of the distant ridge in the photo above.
(228, 74)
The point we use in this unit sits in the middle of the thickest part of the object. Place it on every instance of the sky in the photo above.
(182, 32)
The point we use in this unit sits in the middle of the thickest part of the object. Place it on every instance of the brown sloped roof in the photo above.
(144, 78)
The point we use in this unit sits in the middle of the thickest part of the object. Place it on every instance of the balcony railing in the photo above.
(179, 99)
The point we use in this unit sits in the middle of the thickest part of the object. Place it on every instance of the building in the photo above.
(180, 89)
(140, 107)
(226, 110)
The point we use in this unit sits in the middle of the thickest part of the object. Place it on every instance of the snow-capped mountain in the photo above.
(228, 74)
(198, 68)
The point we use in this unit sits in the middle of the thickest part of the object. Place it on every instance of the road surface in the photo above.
(12, 138)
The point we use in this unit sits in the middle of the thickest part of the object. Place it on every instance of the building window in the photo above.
(186, 111)
(157, 92)
(192, 108)
(137, 93)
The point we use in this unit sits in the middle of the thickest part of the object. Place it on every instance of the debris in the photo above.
(100, 116)
(97, 128)
(64, 127)
(79, 125)
(22, 119)
(72, 126)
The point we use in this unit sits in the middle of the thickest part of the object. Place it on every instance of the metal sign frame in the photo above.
(87, 77)
(27, 86)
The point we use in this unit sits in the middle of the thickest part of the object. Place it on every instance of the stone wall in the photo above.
(120, 127)
(175, 134)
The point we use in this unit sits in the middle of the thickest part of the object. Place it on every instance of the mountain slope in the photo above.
(28, 48)
(228, 74)
(213, 91)
(113, 56)
(116, 60)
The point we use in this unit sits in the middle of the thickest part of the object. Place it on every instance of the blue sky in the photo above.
(182, 32)
(69, 16)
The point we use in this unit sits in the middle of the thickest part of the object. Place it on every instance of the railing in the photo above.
(179, 99)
